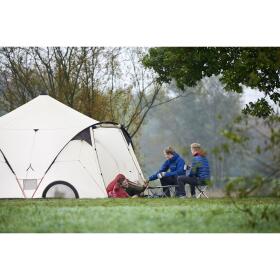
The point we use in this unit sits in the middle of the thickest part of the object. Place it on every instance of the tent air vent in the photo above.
(84, 135)
(29, 184)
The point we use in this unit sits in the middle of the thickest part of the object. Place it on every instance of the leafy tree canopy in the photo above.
(257, 68)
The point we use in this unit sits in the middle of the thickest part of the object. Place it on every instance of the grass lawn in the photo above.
(138, 215)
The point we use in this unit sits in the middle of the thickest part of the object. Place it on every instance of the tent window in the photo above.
(29, 184)
(60, 189)
(84, 136)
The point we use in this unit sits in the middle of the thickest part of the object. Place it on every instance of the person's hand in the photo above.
(186, 167)
(161, 175)
(146, 182)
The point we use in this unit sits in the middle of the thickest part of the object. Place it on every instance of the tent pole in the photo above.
(94, 147)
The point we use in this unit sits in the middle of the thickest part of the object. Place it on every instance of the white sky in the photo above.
(252, 95)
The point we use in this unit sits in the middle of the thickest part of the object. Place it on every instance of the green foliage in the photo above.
(138, 215)
(257, 68)
(244, 186)
(234, 137)
(260, 141)
(260, 108)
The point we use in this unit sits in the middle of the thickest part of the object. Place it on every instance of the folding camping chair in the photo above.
(151, 194)
(202, 191)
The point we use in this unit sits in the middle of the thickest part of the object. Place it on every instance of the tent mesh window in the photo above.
(29, 184)
(84, 135)
(60, 190)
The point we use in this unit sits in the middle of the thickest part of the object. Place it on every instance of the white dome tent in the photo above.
(50, 150)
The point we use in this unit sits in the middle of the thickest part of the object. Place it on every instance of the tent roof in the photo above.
(33, 134)
(44, 112)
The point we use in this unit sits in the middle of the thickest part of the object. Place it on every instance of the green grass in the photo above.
(138, 215)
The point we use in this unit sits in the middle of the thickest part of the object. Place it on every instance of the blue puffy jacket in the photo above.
(200, 167)
(175, 164)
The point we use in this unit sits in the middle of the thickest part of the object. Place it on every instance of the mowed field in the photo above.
(144, 215)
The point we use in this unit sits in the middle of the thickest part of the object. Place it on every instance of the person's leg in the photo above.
(192, 181)
(180, 190)
(165, 181)
(182, 180)
(193, 190)
(134, 190)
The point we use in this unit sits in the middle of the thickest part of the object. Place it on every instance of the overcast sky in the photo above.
(251, 95)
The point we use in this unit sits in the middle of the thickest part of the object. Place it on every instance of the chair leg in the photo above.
(172, 191)
(205, 194)
(202, 192)
(169, 187)
(164, 194)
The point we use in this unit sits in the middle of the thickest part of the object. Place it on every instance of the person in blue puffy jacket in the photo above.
(173, 167)
(199, 171)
